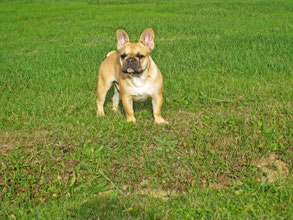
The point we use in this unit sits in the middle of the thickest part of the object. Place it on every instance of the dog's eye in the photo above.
(139, 56)
(123, 56)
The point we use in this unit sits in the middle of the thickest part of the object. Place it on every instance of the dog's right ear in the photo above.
(122, 38)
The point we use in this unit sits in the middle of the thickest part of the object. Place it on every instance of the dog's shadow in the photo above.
(138, 106)
(142, 106)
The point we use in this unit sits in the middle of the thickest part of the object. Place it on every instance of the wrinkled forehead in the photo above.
(136, 48)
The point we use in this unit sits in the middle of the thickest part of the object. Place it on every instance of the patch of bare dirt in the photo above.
(275, 169)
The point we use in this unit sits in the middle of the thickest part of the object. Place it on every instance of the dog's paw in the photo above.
(100, 114)
(161, 120)
(115, 108)
(132, 119)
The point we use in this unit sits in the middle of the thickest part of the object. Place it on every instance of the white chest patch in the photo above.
(141, 88)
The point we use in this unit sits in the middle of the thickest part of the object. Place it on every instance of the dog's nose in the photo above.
(131, 60)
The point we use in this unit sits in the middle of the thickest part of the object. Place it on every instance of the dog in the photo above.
(134, 74)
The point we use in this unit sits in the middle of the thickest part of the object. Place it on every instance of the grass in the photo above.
(227, 152)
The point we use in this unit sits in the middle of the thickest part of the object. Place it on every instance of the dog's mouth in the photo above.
(131, 70)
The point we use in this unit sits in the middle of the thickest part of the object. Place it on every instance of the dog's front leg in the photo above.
(128, 107)
(157, 102)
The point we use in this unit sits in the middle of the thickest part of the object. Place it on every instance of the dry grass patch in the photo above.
(8, 140)
(273, 168)
(157, 193)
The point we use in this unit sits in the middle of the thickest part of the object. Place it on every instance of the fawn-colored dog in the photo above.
(134, 74)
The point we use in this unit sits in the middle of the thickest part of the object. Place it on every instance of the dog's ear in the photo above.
(147, 38)
(122, 38)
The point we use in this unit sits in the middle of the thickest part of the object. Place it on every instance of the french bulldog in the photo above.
(134, 74)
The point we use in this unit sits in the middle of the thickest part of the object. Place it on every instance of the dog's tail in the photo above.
(112, 52)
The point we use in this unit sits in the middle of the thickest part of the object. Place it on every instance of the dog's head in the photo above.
(134, 57)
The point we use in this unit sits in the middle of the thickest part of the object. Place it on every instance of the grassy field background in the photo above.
(227, 151)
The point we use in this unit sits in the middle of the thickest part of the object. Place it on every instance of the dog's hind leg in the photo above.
(103, 88)
(116, 97)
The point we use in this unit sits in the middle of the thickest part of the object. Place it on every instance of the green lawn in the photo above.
(227, 151)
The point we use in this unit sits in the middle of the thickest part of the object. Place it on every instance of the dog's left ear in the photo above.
(147, 38)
